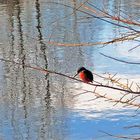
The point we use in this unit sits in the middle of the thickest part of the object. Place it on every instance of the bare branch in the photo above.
(100, 18)
(107, 15)
(123, 61)
(119, 136)
(61, 74)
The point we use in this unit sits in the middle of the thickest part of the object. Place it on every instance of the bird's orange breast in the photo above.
(83, 77)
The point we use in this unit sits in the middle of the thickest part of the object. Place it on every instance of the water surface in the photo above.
(40, 106)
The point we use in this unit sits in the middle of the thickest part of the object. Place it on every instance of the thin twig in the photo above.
(123, 61)
(119, 136)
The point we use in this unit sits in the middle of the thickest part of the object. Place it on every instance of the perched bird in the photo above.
(85, 75)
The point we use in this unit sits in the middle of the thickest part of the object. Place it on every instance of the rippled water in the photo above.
(42, 106)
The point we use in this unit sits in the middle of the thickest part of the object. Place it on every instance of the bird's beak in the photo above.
(75, 75)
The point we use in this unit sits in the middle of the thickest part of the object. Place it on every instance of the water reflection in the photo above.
(35, 105)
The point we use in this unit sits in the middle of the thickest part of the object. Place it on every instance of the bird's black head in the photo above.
(81, 69)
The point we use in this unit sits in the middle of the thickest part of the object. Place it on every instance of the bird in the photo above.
(85, 75)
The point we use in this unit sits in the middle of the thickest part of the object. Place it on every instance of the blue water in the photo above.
(81, 128)
(40, 106)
